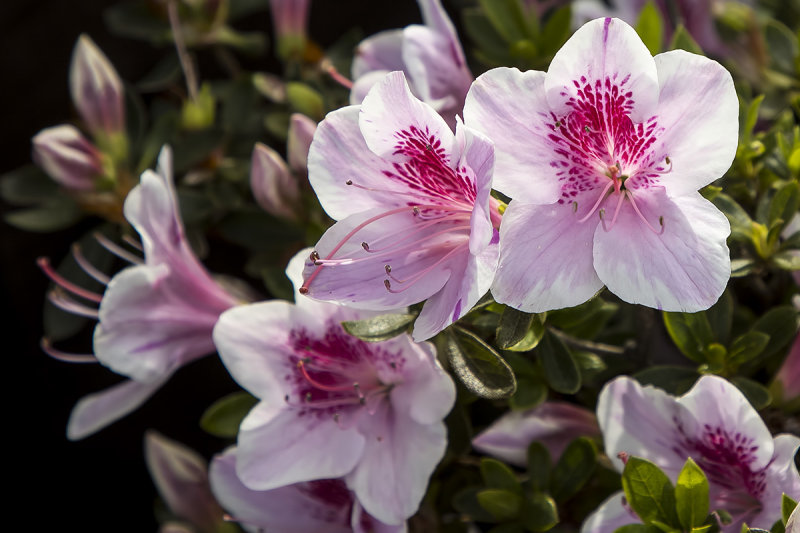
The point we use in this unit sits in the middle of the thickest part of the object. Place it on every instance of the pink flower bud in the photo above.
(274, 187)
(301, 131)
(289, 20)
(787, 381)
(67, 156)
(96, 88)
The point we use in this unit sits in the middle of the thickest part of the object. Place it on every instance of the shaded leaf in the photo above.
(784, 204)
(780, 323)
(504, 505)
(787, 506)
(675, 380)
(539, 466)
(223, 417)
(497, 475)
(573, 469)
(530, 393)
(682, 40)
(748, 346)
(691, 333)
(720, 317)
(27, 185)
(508, 18)
(53, 214)
(482, 371)
(650, 27)
(560, 368)
(466, 502)
(513, 327)
(756, 393)
(379, 328)
(540, 512)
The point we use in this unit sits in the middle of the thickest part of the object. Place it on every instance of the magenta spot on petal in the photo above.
(495, 236)
(457, 310)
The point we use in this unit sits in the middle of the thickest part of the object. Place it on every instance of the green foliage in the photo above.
(691, 496)
(479, 367)
(573, 469)
(223, 417)
(650, 27)
(649, 492)
(379, 328)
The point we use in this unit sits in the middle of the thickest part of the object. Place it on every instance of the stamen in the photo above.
(60, 299)
(44, 264)
(597, 203)
(412, 280)
(87, 266)
(133, 243)
(616, 213)
(115, 249)
(641, 216)
(337, 76)
(314, 256)
(321, 386)
(47, 348)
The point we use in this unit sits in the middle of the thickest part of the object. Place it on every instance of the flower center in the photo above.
(338, 373)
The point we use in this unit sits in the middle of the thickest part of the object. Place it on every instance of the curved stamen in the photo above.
(597, 203)
(55, 277)
(450, 200)
(60, 299)
(133, 243)
(337, 76)
(88, 267)
(413, 279)
(115, 249)
(47, 348)
(616, 213)
(641, 216)
(419, 229)
(328, 388)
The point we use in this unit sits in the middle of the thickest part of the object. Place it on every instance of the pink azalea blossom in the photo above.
(322, 505)
(415, 217)
(430, 56)
(603, 156)
(96, 89)
(276, 185)
(554, 424)
(290, 21)
(334, 406)
(68, 157)
(181, 477)
(155, 316)
(716, 426)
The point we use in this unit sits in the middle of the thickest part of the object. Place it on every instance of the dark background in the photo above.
(99, 483)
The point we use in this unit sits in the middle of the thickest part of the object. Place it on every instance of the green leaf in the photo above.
(750, 118)
(756, 393)
(748, 346)
(466, 502)
(530, 393)
(691, 333)
(305, 100)
(573, 469)
(691, 495)
(504, 505)
(508, 18)
(740, 221)
(780, 323)
(225, 415)
(379, 328)
(540, 512)
(560, 368)
(492, 47)
(258, 231)
(556, 31)
(497, 475)
(650, 27)
(782, 45)
(788, 505)
(742, 267)
(27, 185)
(786, 260)
(682, 40)
(539, 466)
(637, 528)
(53, 214)
(586, 320)
(532, 337)
(481, 369)
(649, 492)
(784, 204)
(513, 327)
(720, 317)
(676, 380)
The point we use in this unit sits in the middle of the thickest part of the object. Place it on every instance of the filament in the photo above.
(641, 216)
(58, 279)
(88, 267)
(597, 203)
(115, 249)
(47, 348)
(59, 298)
(412, 280)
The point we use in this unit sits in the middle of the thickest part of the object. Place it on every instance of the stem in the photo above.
(183, 52)
(588, 345)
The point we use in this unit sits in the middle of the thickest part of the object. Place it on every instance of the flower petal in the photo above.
(67, 156)
(279, 446)
(398, 459)
(713, 403)
(362, 522)
(382, 51)
(545, 257)
(96, 88)
(301, 133)
(274, 188)
(96, 411)
(290, 509)
(781, 478)
(510, 108)
(640, 421)
(604, 51)
(426, 393)
(611, 514)
(684, 269)
(477, 156)
(389, 109)
(699, 111)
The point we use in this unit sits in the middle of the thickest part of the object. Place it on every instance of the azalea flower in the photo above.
(554, 424)
(322, 505)
(603, 156)
(155, 316)
(332, 405)
(429, 55)
(276, 185)
(96, 89)
(68, 157)
(716, 426)
(415, 217)
(181, 477)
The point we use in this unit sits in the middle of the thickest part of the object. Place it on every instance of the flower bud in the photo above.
(68, 157)
(289, 19)
(274, 187)
(96, 89)
(786, 386)
(301, 132)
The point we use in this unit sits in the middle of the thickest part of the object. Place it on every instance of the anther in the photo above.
(314, 256)
(348, 182)
(586, 129)
(308, 396)
(557, 125)
(415, 210)
(365, 246)
(667, 160)
(388, 269)
(303, 290)
(574, 206)
(387, 284)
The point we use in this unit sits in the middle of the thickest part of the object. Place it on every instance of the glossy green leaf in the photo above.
(691, 333)
(466, 502)
(757, 394)
(560, 368)
(504, 505)
(481, 369)
(782, 45)
(720, 317)
(27, 185)
(637, 528)
(650, 27)
(539, 466)
(786, 261)
(573, 469)
(530, 393)
(784, 204)
(748, 346)
(497, 475)
(379, 328)
(513, 327)
(691, 495)
(586, 320)
(53, 214)
(739, 219)
(225, 415)
(540, 512)
(682, 40)
(556, 30)
(676, 380)
(305, 100)
(649, 492)
(787, 507)
(780, 323)
(508, 18)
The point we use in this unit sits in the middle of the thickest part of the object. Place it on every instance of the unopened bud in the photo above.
(289, 20)
(274, 187)
(68, 157)
(96, 89)
(301, 132)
